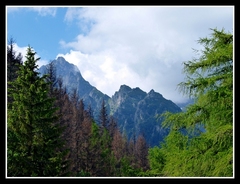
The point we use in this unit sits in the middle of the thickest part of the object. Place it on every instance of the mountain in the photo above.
(72, 79)
(135, 111)
(133, 108)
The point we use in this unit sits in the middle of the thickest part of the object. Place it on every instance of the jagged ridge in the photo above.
(134, 109)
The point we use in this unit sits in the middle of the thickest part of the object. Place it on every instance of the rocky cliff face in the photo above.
(134, 109)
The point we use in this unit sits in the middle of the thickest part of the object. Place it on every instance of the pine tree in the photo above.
(103, 117)
(210, 81)
(13, 63)
(112, 127)
(52, 78)
(63, 103)
(33, 138)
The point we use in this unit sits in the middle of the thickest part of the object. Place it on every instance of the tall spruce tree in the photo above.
(52, 78)
(210, 81)
(13, 63)
(33, 139)
(103, 116)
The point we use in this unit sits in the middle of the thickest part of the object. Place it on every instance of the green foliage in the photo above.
(33, 141)
(13, 63)
(83, 174)
(126, 170)
(34, 146)
(156, 160)
(210, 81)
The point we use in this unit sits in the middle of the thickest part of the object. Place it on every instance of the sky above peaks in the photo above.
(140, 46)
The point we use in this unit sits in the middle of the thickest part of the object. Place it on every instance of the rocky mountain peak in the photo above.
(152, 93)
(61, 59)
(124, 88)
(134, 109)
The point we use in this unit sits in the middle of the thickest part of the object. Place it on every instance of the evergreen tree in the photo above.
(103, 117)
(52, 78)
(33, 138)
(63, 103)
(156, 160)
(209, 81)
(112, 127)
(90, 111)
(13, 63)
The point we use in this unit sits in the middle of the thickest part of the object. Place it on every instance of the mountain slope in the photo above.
(72, 79)
(134, 109)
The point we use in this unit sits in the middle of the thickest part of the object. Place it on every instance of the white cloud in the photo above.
(140, 46)
(41, 10)
(102, 71)
(44, 11)
(23, 51)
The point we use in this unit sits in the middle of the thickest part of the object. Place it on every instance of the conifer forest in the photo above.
(52, 133)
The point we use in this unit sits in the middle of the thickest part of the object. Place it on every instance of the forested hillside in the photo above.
(50, 132)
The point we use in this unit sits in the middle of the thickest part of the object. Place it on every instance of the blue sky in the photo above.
(42, 31)
(140, 46)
